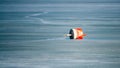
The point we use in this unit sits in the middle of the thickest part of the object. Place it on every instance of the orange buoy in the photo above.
(76, 33)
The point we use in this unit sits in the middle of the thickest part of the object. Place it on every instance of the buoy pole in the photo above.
(67, 35)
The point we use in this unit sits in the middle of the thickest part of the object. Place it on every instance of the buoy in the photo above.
(76, 33)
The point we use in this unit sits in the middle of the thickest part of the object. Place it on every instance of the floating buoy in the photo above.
(76, 33)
